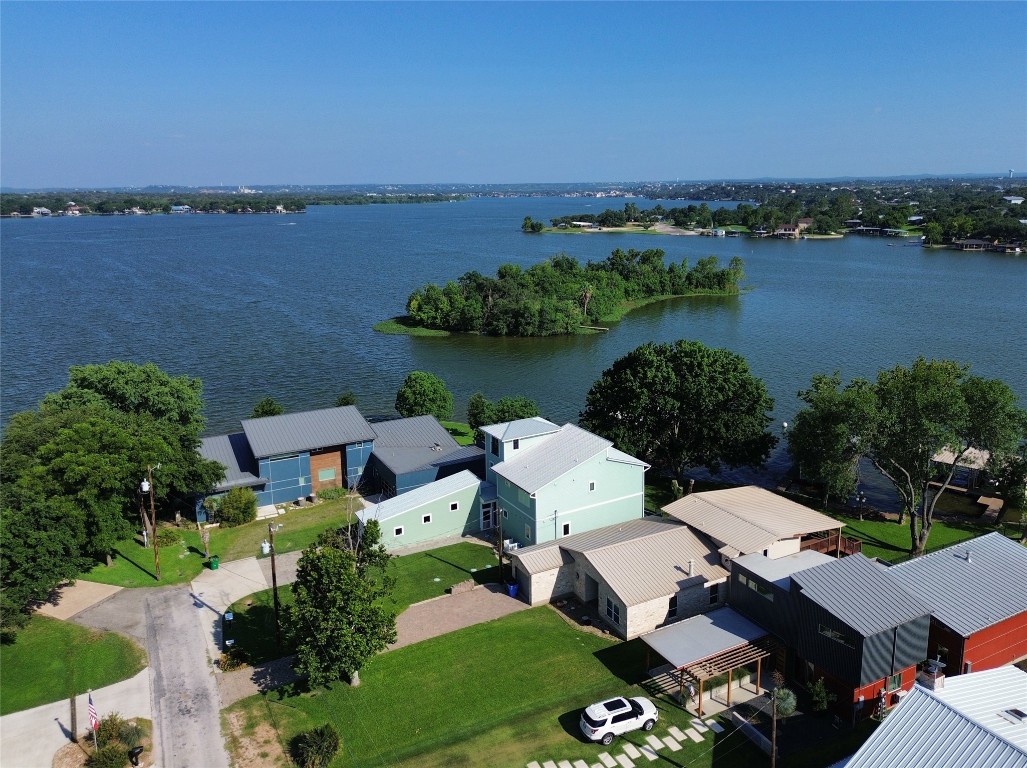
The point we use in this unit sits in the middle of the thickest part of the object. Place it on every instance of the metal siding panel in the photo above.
(877, 657)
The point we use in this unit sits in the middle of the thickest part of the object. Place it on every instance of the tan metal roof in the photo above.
(749, 519)
(546, 556)
(974, 458)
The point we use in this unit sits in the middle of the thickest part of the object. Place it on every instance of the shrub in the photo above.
(820, 696)
(233, 658)
(167, 537)
(109, 729)
(108, 756)
(328, 494)
(131, 733)
(316, 747)
(238, 506)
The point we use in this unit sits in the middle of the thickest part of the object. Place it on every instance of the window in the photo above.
(672, 607)
(516, 444)
(612, 611)
(591, 485)
(425, 519)
(494, 446)
(742, 580)
(566, 529)
(714, 594)
(506, 515)
(763, 590)
(397, 531)
(527, 532)
(324, 475)
(837, 636)
(895, 681)
(623, 717)
(454, 506)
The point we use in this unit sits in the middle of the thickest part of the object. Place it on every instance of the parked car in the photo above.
(603, 721)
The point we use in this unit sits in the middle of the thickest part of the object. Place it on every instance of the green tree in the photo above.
(338, 620)
(826, 438)
(424, 393)
(346, 398)
(267, 407)
(480, 411)
(681, 405)
(933, 233)
(238, 507)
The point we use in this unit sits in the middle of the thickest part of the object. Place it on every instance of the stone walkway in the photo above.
(628, 753)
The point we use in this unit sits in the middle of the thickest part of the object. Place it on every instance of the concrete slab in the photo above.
(699, 726)
(548, 764)
(625, 761)
(715, 726)
(608, 761)
(533, 764)
(631, 750)
(71, 599)
(654, 742)
(672, 744)
(564, 764)
(650, 753)
(693, 735)
(676, 733)
(580, 764)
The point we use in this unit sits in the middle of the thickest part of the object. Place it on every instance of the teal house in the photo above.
(555, 481)
(443, 509)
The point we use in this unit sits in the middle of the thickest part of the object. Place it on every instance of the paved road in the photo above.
(185, 698)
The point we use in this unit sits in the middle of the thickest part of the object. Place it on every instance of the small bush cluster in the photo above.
(109, 756)
(329, 494)
(167, 537)
(316, 748)
(115, 736)
(238, 506)
(233, 658)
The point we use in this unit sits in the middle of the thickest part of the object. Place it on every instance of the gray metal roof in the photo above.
(407, 445)
(535, 467)
(957, 726)
(418, 497)
(294, 432)
(233, 451)
(779, 570)
(749, 519)
(863, 594)
(973, 585)
(703, 636)
(520, 429)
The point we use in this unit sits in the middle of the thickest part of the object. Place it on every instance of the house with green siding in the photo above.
(433, 512)
(553, 482)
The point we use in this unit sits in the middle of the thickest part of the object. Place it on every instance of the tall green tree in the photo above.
(481, 411)
(346, 398)
(424, 393)
(267, 407)
(683, 405)
(338, 620)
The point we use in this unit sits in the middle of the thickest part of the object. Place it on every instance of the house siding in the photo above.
(997, 645)
(327, 459)
(540, 588)
(289, 478)
(444, 523)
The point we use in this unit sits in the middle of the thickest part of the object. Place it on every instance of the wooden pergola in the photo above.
(728, 661)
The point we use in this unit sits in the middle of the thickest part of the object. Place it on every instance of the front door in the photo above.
(488, 515)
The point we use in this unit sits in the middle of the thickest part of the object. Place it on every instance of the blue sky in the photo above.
(307, 93)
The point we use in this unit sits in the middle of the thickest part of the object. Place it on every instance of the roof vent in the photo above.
(968, 556)
(1015, 716)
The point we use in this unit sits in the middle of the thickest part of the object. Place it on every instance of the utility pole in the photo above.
(147, 487)
(773, 730)
(274, 586)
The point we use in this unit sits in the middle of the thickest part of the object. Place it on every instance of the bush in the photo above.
(109, 730)
(238, 506)
(316, 747)
(131, 734)
(109, 756)
(167, 537)
(820, 696)
(329, 494)
(233, 658)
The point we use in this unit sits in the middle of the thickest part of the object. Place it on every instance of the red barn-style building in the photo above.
(977, 593)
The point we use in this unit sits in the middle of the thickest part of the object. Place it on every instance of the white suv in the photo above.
(603, 721)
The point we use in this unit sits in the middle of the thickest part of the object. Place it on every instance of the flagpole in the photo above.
(93, 720)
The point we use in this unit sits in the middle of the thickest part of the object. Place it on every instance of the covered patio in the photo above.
(704, 647)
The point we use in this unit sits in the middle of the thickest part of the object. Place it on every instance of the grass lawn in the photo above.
(462, 433)
(133, 565)
(52, 659)
(402, 325)
(890, 541)
(254, 626)
(457, 700)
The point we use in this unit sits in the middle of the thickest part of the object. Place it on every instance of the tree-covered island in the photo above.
(560, 296)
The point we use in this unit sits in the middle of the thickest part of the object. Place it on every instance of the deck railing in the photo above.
(831, 543)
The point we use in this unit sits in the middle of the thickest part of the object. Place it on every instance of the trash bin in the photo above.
(511, 589)
(215, 562)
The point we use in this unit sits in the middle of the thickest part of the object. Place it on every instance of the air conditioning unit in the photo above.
(509, 545)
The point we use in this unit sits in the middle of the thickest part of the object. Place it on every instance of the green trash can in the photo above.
(215, 562)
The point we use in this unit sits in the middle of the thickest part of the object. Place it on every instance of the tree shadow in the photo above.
(122, 556)
(625, 661)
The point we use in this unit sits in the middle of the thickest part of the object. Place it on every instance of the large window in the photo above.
(494, 446)
(714, 594)
(612, 611)
(837, 636)
(324, 475)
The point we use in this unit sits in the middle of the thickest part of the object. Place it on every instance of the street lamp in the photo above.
(146, 488)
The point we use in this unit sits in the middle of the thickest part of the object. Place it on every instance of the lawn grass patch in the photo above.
(403, 325)
(890, 541)
(51, 660)
(424, 575)
(253, 625)
(461, 432)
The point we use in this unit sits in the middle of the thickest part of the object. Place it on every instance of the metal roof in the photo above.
(544, 557)
(863, 594)
(535, 467)
(233, 451)
(974, 458)
(406, 445)
(778, 571)
(520, 429)
(703, 636)
(972, 585)
(749, 519)
(418, 497)
(956, 726)
(294, 432)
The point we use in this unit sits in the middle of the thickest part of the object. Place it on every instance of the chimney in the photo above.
(691, 567)
(933, 675)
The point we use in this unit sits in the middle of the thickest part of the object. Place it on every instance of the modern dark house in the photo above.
(849, 621)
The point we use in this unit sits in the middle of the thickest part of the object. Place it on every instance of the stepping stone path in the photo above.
(631, 752)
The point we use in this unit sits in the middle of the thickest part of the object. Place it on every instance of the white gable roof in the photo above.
(520, 429)
(418, 497)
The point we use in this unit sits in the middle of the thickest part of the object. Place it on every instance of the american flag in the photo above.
(94, 721)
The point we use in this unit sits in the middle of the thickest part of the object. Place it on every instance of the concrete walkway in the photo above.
(29, 739)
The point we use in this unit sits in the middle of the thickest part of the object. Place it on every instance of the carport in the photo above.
(703, 647)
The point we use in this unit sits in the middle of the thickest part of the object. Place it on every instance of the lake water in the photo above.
(284, 305)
